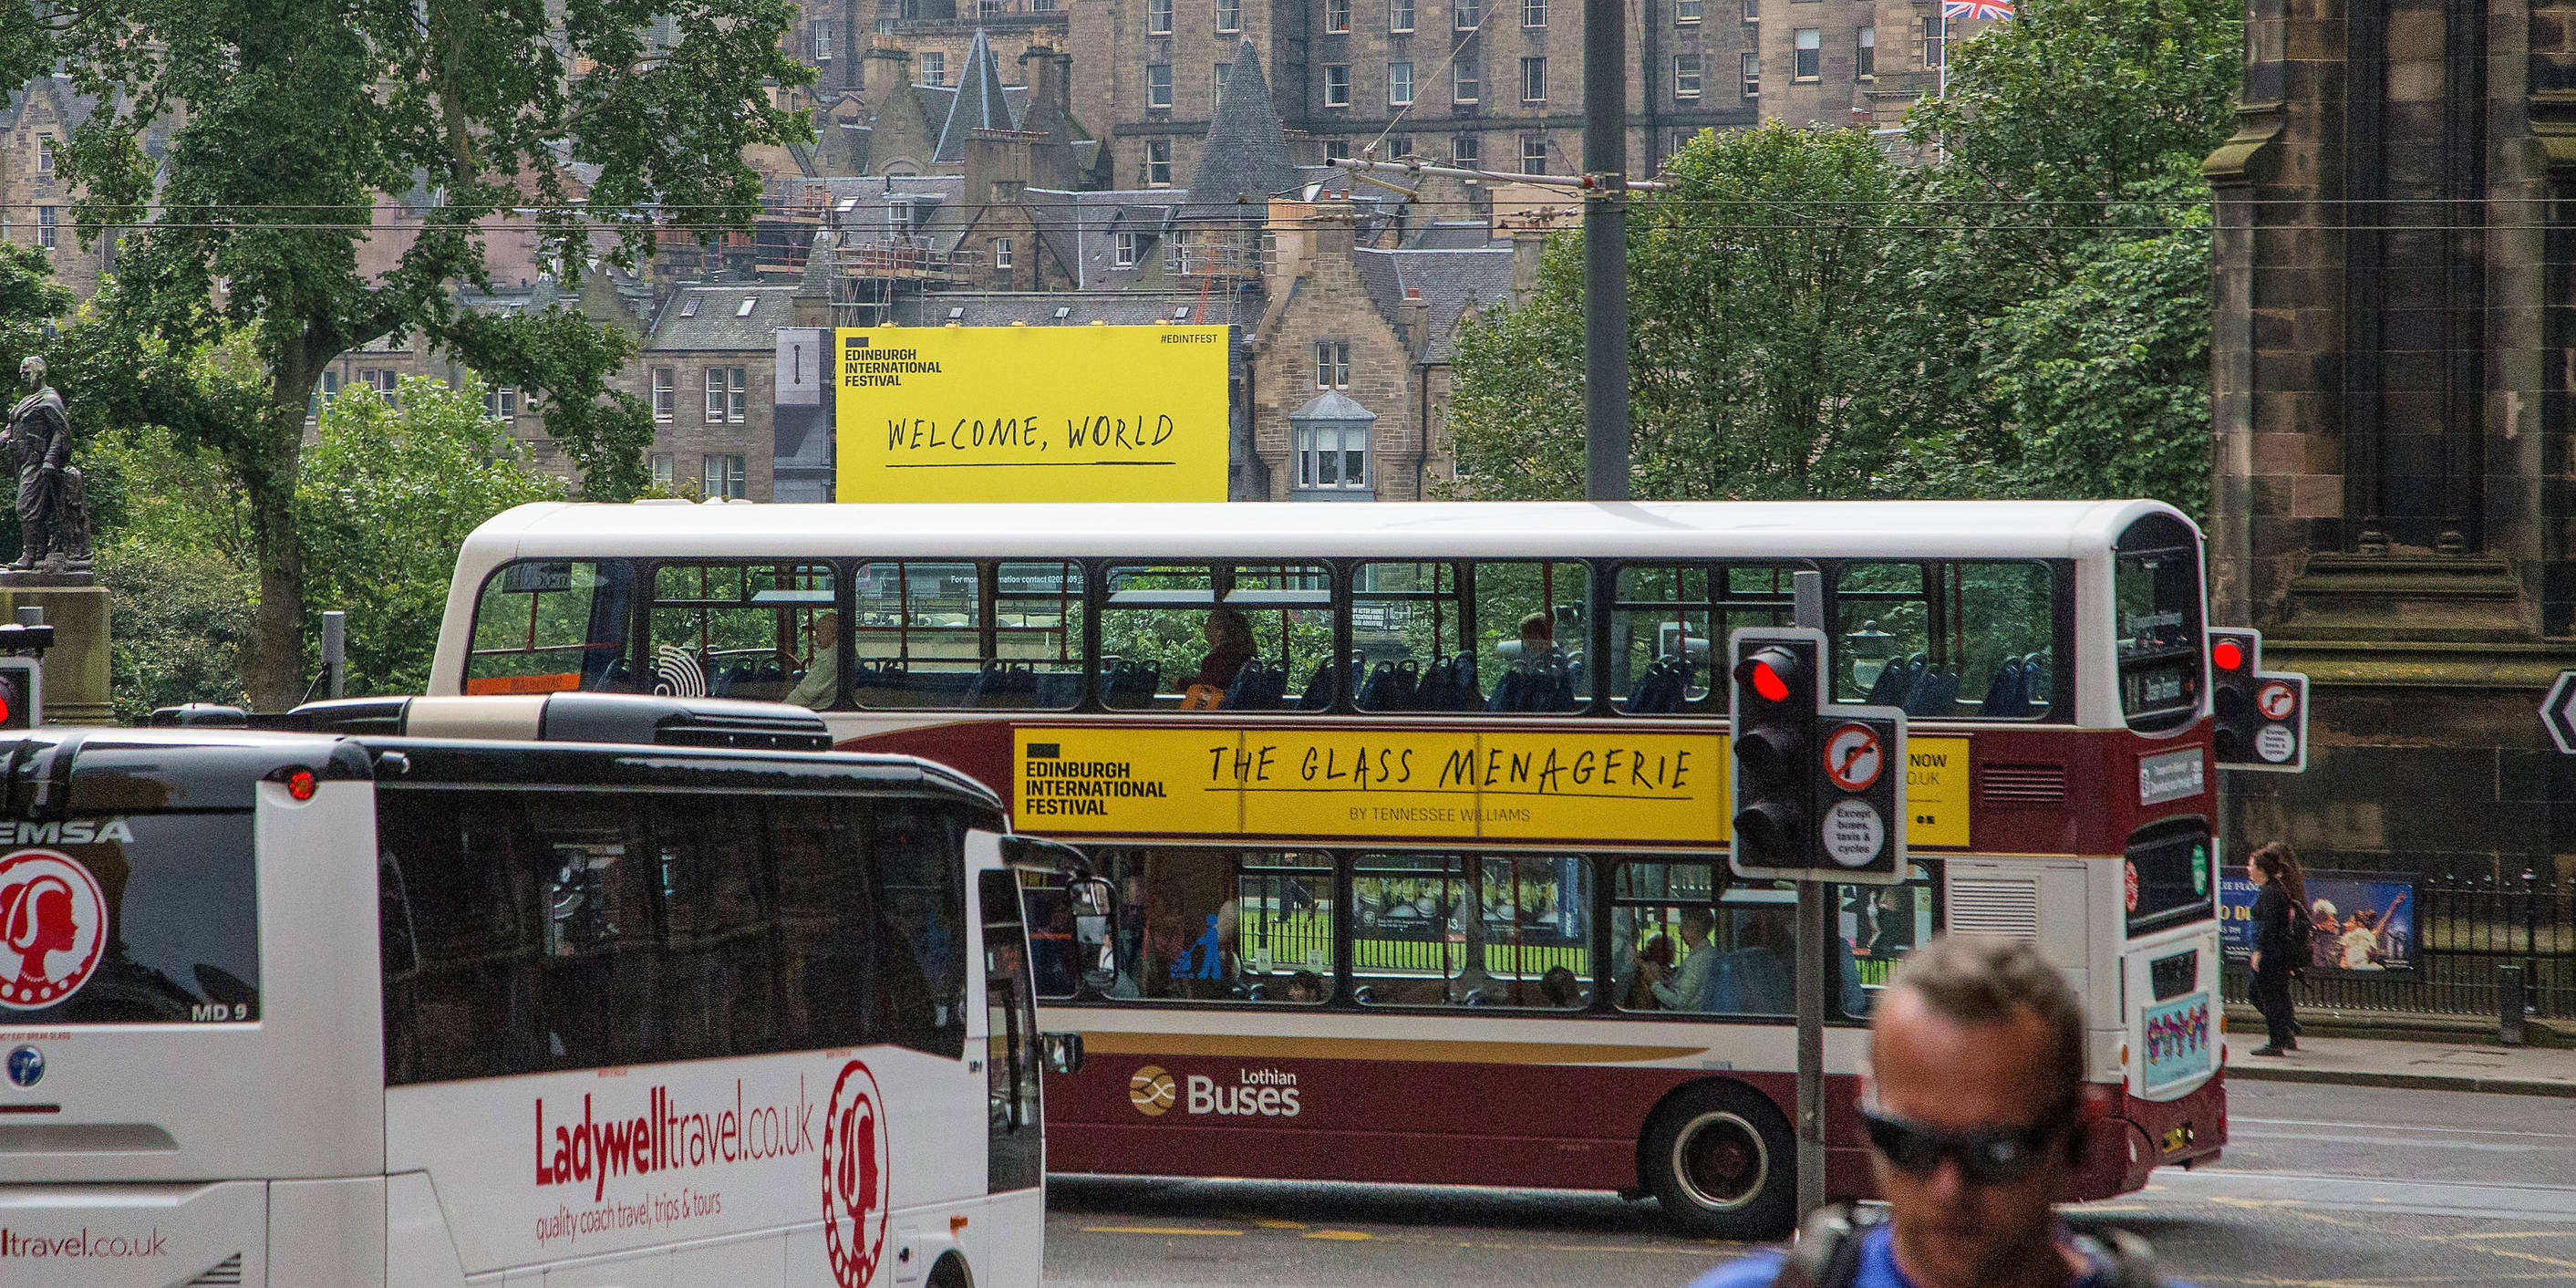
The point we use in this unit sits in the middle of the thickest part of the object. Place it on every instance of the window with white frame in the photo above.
(934, 67)
(501, 402)
(1158, 86)
(1533, 13)
(1399, 15)
(1222, 70)
(822, 40)
(666, 393)
(1686, 13)
(1337, 85)
(662, 471)
(1927, 41)
(722, 476)
(1337, 149)
(1332, 456)
(47, 227)
(1753, 10)
(1467, 151)
(44, 154)
(1001, 252)
(1337, 16)
(1865, 58)
(1399, 83)
(1750, 65)
(1130, 246)
(1399, 146)
(381, 379)
(1158, 17)
(1686, 77)
(728, 396)
(1332, 364)
(1808, 57)
(1533, 80)
(1464, 85)
(1468, 14)
(1533, 154)
(1229, 16)
(1158, 163)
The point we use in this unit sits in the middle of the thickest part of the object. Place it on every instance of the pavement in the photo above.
(2434, 1066)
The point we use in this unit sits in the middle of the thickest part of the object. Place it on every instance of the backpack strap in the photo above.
(1827, 1253)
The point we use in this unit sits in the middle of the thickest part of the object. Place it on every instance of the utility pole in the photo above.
(1605, 250)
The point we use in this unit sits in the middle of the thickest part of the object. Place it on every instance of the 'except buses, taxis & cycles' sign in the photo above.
(1630, 788)
(1090, 413)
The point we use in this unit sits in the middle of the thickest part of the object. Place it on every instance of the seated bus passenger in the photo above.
(1229, 639)
(823, 671)
(1654, 966)
(1693, 987)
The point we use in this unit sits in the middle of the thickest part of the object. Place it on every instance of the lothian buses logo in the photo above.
(855, 1167)
(53, 925)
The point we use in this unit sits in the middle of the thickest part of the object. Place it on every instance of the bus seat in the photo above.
(1935, 696)
(1056, 690)
(2005, 695)
(1507, 691)
(2034, 671)
(1319, 689)
(1888, 690)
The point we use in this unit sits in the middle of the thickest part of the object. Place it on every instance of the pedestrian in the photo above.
(1976, 1108)
(2277, 952)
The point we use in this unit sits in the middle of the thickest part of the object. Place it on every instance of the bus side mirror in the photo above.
(1061, 1051)
(1095, 932)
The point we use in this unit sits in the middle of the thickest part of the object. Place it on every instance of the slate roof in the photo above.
(1081, 228)
(1332, 404)
(1038, 308)
(1450, 281)
(1451, 234)
(717, 324)
(1245, 158)
(978, 104)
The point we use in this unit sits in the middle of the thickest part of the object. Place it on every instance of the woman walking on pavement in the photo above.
(2275, 867)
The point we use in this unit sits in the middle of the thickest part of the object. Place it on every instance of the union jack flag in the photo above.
(1979, 9)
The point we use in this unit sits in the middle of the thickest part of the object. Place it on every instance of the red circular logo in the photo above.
(855, 1177)
(53, 926)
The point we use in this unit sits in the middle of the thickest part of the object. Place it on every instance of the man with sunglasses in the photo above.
(1974, 1101)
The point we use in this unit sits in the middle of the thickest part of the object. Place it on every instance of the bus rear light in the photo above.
(300, 784)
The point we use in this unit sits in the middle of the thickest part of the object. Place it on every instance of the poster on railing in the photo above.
(2365, 922)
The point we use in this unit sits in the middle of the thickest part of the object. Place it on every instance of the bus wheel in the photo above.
(950, 1272)
(1720, 1162)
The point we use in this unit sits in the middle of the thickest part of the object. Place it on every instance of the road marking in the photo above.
(1269, 1222)
(2235, 1133)
(2522, 1204)
(2500, 1234)
(1345, 1236)
(2383, 1128)
(1152, 1229)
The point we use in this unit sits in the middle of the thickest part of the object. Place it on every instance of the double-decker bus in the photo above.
(490, 1008)
(1416, 814)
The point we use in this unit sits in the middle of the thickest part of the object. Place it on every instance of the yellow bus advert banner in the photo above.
(1612, 788)
(1087, 413)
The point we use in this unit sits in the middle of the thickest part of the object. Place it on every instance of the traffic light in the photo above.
(2234, 657)
(22, 693)
(1776, 693)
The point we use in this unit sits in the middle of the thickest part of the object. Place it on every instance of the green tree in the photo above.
(1752, 286)
(386, 497)
(174, 553)
(288, 125)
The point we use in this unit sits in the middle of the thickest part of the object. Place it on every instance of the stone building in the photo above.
(2394, 348)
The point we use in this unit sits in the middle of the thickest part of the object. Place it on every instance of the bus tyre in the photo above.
(949, 1272)
(1720, 1162)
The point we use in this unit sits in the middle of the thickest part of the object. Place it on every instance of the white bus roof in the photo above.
(1238, 530)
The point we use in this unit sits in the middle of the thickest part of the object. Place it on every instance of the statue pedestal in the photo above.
(76, 666)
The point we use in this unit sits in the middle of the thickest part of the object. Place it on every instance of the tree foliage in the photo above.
(2023, 313)
(288, 126)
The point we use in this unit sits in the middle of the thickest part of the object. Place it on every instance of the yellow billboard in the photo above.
(1090, 413)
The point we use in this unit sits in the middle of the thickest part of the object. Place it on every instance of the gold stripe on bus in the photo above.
(1408, 1050)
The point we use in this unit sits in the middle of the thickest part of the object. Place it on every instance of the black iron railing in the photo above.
(2466, 928)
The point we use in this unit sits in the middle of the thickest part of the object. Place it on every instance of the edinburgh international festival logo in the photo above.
(53, 926)
(856, 1173)
(1152, 1091)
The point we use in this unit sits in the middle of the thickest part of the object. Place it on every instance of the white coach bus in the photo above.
(294, 1009)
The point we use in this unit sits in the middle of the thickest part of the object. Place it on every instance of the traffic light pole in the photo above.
(1814, 923)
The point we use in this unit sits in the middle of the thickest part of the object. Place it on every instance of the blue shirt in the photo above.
(1877, 1268)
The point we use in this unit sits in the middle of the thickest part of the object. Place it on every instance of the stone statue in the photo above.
(53, 500)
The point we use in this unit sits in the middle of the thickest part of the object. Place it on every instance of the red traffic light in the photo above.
(1772, 673)
(1767, 682)
(2227, 655)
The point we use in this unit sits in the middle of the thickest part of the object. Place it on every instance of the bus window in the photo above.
(1666, 620)
(597, 960)
(1880, 925)
(763, 631)
(719, 969)
(1199, 637)
(180, 902)
(1222, 925)
(1408, 639)
(1532, 621)
(915, 853)
(1454, 930)
(962, 634)
(547, 624)
(1948, 640)
(1014, 1155)
(2156, 586)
